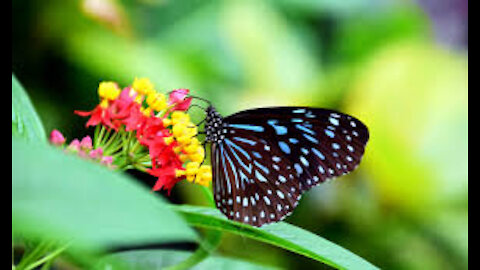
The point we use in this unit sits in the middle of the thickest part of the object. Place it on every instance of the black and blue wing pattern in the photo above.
(264, 159)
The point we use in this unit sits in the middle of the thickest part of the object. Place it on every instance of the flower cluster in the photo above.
(140, 128)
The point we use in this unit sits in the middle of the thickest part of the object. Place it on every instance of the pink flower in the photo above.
(106, 160)
(56, 138)
(96, 153)
(177, 97)
(74, 146)
(86, 143)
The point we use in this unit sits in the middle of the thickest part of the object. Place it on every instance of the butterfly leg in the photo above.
(201, 122)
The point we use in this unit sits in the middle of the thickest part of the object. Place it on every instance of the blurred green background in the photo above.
(399, 66)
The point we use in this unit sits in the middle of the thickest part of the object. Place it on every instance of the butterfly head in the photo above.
(215, 128)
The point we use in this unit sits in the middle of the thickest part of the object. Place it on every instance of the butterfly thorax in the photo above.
(215, 128)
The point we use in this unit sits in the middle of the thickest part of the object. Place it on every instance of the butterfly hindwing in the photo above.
(268, 157)
(255, 197)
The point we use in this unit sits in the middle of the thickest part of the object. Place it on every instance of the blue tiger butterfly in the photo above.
(264, 159)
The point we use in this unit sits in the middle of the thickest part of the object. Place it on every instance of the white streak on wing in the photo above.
(225, 170)
(231, 146)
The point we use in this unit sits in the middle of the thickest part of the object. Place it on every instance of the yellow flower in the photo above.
(167, 122)
(146, 111)
(143, 86)
(192, 168)
(178, 130)
(168, 140)
(183, 157)
(139, 99)
(157, 101)
(195, 153)
(196, 157)
(179, 173)
(192, 148)
(184, 140)
(108, 90)
(179, 117)
(104, 103)
(204, 175)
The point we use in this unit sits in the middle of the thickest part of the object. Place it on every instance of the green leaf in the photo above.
(60, 196)
(159, 259)
(25, 121)
(281, 234)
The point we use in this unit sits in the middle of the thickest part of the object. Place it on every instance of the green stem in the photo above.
(106, 137)
(112, 149)
(99, 136)
(29, 257)
(95, 136)
(112, 138)
(135, 146)
(47, 258)
(139, 167)
(142, 159)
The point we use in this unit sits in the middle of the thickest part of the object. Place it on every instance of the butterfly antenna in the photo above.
(203, 110)
(196, 105)
(202, 99)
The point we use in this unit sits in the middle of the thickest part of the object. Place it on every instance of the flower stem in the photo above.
(95, 136)
(98, 136)
(109, 142)
(47, 258)
(31, 256)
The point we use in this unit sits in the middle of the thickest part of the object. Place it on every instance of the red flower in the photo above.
(152, 129)
(166, 173)
(166, 178)
(134, 119)
(99, 115)
(110, 113)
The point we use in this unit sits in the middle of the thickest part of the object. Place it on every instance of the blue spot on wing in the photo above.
(293, 140)
(299, 111)
(284, 146)
(329, 133)
(304, 129)
(310, 138)
(318, 153)
(240, 139)
(280, 130)
(247, 127)
(298, 168)
(334, 121)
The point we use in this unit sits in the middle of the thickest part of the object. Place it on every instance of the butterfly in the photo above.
(264, 159)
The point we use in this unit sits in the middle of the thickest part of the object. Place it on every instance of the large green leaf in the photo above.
(60, 196)
(159, 259)
(25, 121)
(281, 234)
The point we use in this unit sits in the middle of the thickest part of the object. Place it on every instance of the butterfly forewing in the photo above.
(268, 157)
